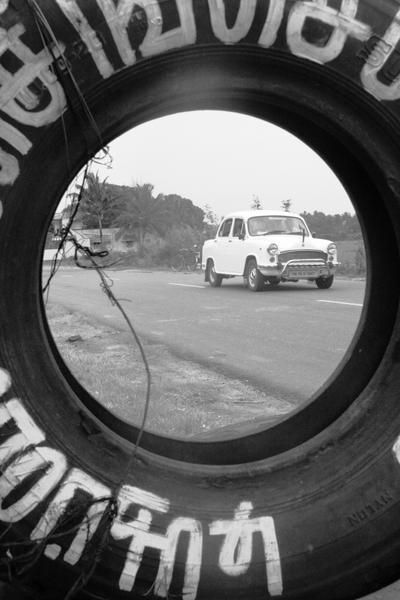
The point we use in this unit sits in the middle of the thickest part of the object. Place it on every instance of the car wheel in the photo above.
(214, 278)
(324, 283)
(254, 277)
(273, 281)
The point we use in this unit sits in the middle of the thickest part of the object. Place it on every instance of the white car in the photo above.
(267, 247)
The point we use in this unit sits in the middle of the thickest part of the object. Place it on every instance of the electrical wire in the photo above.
(32, 555)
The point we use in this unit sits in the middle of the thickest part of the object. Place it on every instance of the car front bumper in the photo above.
(299, 269)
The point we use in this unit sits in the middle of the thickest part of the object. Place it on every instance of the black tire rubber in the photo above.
(273, 281)
(305, 508)
(255, 280)
(324, 283)
(214, 278)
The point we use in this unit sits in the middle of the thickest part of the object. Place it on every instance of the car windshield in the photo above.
(268, 225)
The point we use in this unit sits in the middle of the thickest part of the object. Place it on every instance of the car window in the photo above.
(268, 225)
(225, 228)
(237, 228)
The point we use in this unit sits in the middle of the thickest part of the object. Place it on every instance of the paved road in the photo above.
(287, 340)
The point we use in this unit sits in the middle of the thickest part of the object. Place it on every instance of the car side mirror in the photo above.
(241, 235)
(313, 234)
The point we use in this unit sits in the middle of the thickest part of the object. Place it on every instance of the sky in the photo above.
(224, 160)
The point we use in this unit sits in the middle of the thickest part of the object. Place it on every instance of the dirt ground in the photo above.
(186, 399)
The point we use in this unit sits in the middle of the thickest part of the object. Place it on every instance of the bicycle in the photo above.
(187, 259)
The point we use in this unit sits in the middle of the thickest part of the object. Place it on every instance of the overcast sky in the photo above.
(225, 159)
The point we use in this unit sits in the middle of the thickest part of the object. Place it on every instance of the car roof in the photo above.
(246, 214)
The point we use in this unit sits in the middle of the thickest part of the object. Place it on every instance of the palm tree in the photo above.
(142, 213)
(97, 202)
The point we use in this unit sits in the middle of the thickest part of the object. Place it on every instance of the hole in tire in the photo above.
(224, 362)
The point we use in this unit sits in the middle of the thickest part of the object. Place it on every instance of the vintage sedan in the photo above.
(267, 247)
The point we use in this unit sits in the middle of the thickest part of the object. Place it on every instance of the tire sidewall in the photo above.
(324, 284)
(334, 497)
(254, 277)
(214, 278)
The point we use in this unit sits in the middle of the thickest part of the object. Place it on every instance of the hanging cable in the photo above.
(33, 554)
(106, 284)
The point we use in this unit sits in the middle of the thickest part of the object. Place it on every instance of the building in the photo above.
(91, 238)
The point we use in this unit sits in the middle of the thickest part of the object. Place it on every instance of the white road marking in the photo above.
(338, 302)
(220, 307)
(168, 320)
(281, 307)
(188, 285)
(135, 271)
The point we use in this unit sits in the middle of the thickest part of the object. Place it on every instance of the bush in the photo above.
(175, 239)
(351, 255)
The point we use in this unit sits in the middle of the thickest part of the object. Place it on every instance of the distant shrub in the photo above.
(352, 259)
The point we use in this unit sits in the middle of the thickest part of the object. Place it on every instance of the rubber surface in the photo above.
(308, 509)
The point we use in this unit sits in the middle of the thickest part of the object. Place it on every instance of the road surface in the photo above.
(286, 340)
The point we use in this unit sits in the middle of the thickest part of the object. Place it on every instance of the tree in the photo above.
(286, 205)
(180, 236)
(210, 222)
(334, 227)
(142, 213)
(183, 212)
(256, 203)
(97, 202)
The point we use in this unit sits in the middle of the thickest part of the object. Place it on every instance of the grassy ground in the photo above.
(186, 398)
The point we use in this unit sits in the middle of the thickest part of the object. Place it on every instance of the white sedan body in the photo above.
(280, 242)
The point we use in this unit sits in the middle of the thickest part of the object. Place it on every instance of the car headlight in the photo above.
(332, 250)
(273, 249)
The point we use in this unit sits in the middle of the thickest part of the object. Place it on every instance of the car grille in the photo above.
(284, 257)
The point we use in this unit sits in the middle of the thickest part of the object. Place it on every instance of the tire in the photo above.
(214, 278)
(306, 508)
(273, 281)
(255, 281)
(324, 283)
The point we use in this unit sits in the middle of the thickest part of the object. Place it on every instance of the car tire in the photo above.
(214, 278)
(324, 283)
(254, 278)
(273, 281)
(308, 507)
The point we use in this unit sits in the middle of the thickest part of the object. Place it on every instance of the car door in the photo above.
(221, 250)
(236, 248)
